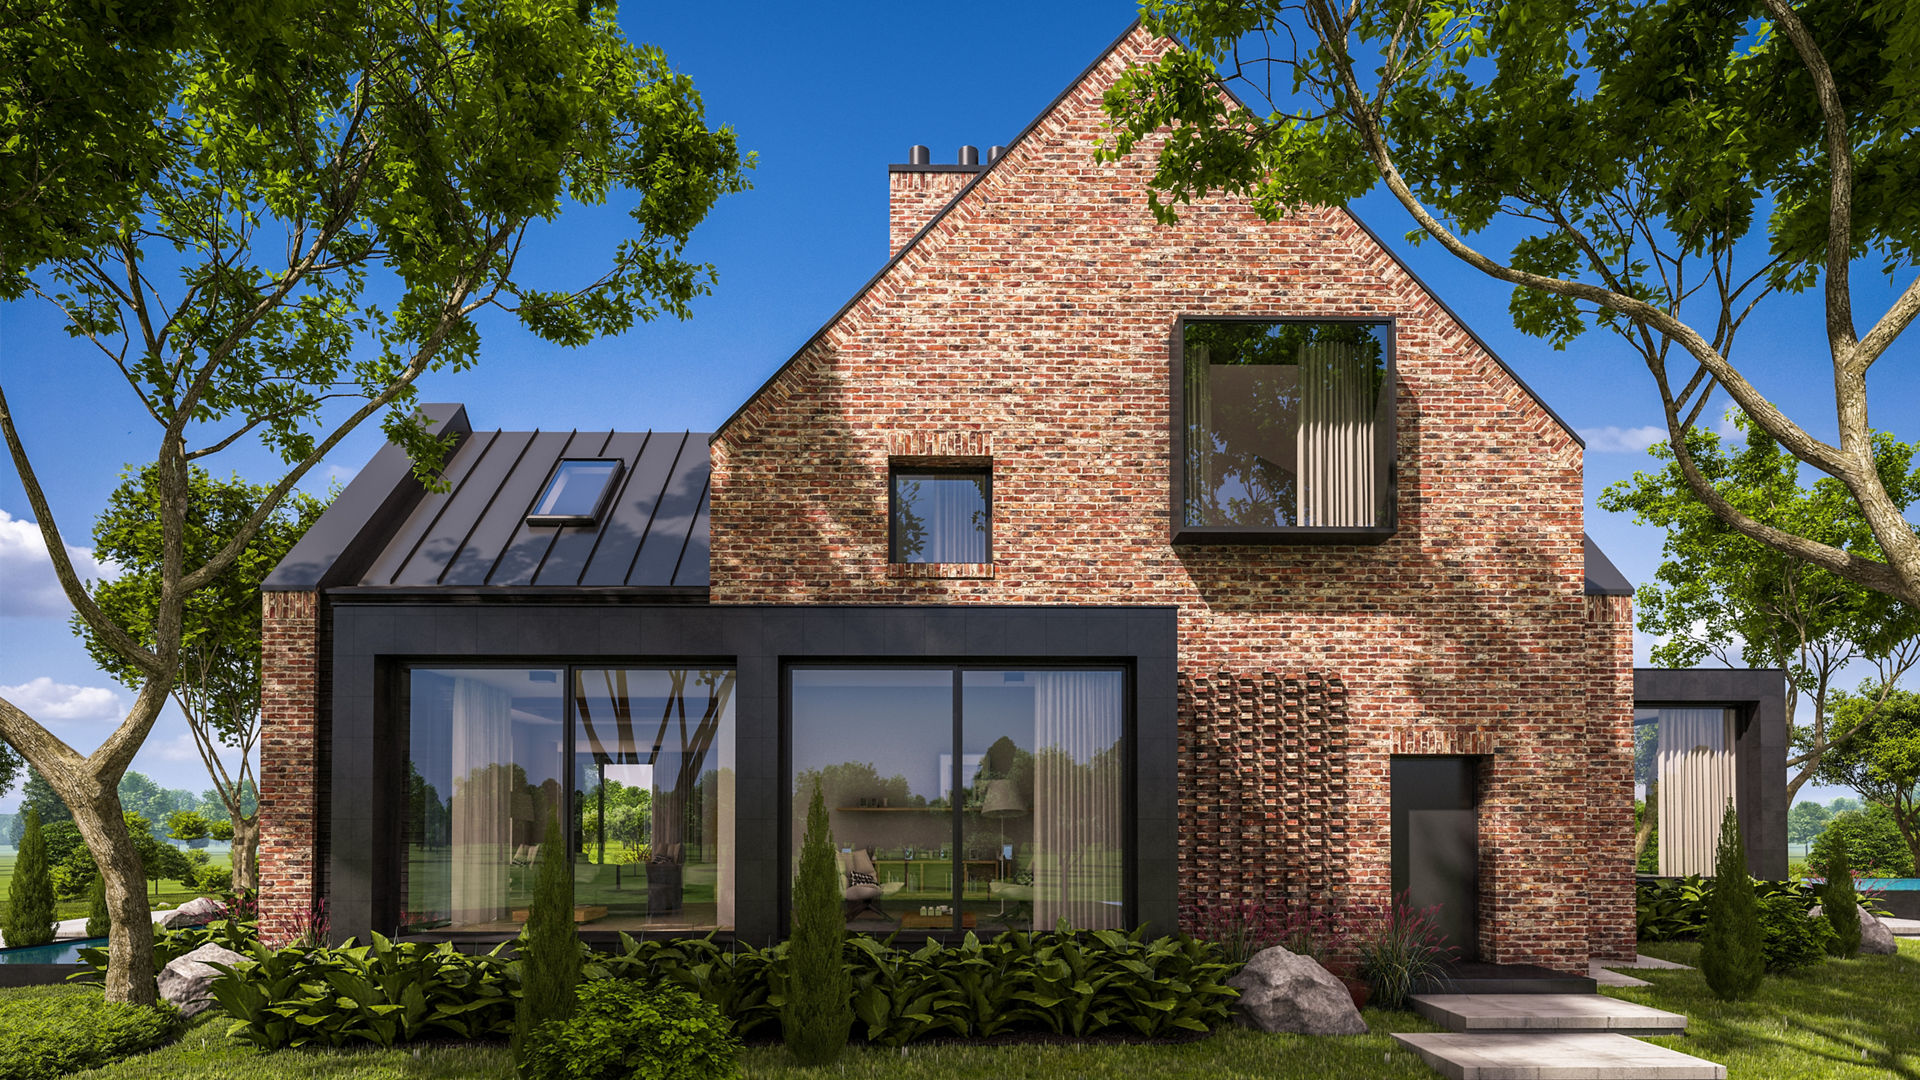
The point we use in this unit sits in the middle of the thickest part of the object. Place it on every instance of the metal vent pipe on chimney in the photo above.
(994, 152)
(969, 155)
(919, 155)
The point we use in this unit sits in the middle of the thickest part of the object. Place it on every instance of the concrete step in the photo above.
(1546, 1012)
(1473, 977)
(1555, 1056)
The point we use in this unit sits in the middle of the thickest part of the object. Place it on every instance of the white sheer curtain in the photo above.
(1076, 799)
(1338, 439)
(957, 509)
(482, 731)
(1694, 774)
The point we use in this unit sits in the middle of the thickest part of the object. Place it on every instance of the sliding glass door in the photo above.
(981, 799)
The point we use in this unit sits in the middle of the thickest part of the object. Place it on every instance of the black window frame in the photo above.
(899, 467)
(1179, 532)
(599, 506)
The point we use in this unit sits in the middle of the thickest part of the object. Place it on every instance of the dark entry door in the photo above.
(1436, 843)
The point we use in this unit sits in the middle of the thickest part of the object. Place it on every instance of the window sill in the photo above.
(1297, 536)
(939, 570)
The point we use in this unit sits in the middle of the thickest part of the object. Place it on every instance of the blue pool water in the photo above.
(58, 952)
(1889, 884)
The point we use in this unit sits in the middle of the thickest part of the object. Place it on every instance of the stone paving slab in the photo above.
(1545, 1012)
(1555, 1057)
(1613, 978)
(1642, 960)
(1901, 927)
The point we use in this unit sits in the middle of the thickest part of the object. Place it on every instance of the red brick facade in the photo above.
(914, 197)
(289, 762)
(1030, 326)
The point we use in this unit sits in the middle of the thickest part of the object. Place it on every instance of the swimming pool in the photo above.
(57, 952)
(1888, 884)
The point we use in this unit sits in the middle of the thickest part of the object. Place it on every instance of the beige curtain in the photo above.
(1199, 421)
(1694, 766)
(1338, 439)
(1076, 799)
(483, 792)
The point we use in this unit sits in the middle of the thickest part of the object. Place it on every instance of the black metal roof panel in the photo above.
(1603, 578)
(474, 534)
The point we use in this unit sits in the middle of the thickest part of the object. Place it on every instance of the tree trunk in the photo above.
(97, 814)
(246, 853)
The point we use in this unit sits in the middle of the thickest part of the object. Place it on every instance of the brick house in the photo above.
(1091, 568)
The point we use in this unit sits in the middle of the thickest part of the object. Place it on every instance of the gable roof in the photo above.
(984, 171)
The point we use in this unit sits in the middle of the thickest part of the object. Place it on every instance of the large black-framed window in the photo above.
(634, 762)
(967, 796)
(1283, 430)
(940, 514)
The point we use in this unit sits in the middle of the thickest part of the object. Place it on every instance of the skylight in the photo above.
(578, 492)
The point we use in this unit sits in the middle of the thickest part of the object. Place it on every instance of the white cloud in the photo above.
(28, 586)
(51, 702)
(1619, 440)
(1727, 428)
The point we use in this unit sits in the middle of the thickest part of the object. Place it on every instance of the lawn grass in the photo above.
(171, 895)
(1841, 1019)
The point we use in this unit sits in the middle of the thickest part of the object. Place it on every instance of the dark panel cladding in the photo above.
(373, 639)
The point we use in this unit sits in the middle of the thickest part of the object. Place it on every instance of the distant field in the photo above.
(171, 893)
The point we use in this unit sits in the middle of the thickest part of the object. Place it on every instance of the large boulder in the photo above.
(1284, 991)
(184, 982)
(1875, 938)
(196, 912)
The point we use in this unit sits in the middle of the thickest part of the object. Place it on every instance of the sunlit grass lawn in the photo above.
(1842, 1019)
(171, 893)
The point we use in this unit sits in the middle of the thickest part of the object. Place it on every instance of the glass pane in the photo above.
(575, 489)
(880, 745)
(1286, 424)
(1683, 772)
(940, 518)
(1042, 834)
(653, 785)
(484, 776)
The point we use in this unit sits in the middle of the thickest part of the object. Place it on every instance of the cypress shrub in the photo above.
(818, 1013)
(1840, 903)
(1733, 945)
(549, 947)
(99, 924)
(30, 918)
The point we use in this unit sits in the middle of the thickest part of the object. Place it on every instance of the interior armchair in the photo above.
(860, 884)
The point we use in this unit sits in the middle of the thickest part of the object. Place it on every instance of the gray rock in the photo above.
(184, 982)
(1283, 991)
(193, 913)
(1875, 938)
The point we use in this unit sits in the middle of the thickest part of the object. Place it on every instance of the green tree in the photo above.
(36, 794)
(549, 946)
(217, 682)
(1732, 946)
(1882, 760)
(99, 923)
(818, 1014)
(1874, 845)
(10, 768)
(30, 915)
(1660, 169)
(1805, 821)
(1840, 903)
(188, 825)
(273, 226)
(1718, 592)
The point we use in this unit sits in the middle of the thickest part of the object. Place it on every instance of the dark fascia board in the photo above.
(351, 532)
(1024, 132)
(1603, 578)
(937, 218)
(1715, 686)
(911, 168)
(506, 594)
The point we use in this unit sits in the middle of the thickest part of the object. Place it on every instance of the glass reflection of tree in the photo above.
(677, 749)
(910, 526)
(1236, 483)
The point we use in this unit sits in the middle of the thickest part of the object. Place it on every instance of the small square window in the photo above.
(940, 515)
(577, 493)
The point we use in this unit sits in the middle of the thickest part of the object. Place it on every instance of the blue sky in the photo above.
(827, 97)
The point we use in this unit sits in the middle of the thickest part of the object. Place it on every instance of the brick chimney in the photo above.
(918, 190)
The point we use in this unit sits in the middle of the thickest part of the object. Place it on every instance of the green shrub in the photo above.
(1403, 953)
(51, 1031)
(1672, 908)
(627, 1031)
(1792, 938)
(1732, 949)
(99, 923)
(383, 993)
(1841, 903)
(30, 913)
(818, 1015)
(1874, 845)
(549, 946)
(187, 825)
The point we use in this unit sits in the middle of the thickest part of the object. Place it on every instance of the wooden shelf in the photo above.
(899, 810)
